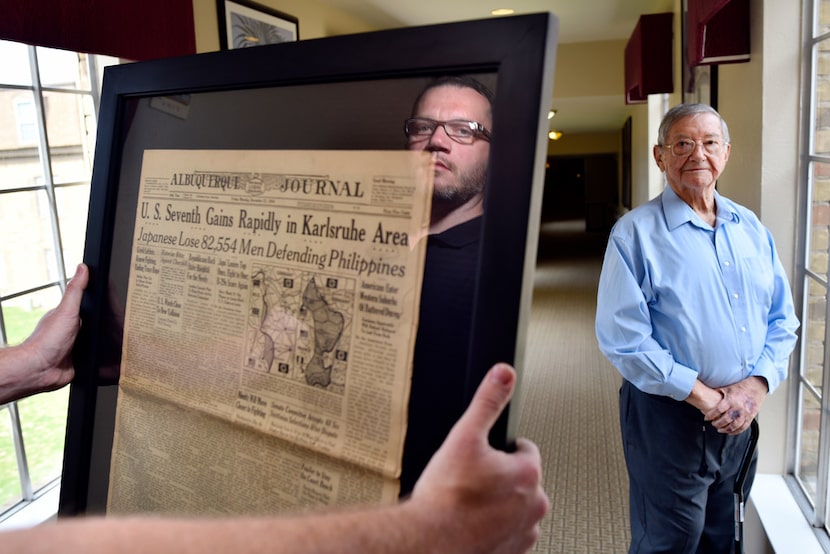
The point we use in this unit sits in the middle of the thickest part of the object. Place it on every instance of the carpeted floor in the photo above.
(569, 399)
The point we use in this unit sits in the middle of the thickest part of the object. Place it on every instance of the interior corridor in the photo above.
(569, 399)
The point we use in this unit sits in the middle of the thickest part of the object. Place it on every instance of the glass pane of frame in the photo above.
(20, 164)
(21, 314)
(73, 204)
(808, 454)
(26, 228)
(62, 69)
(69, 125)
(822, 17)
(43, 419)
(817, 257)
(813, 332)
(10, 492)
(15, 69)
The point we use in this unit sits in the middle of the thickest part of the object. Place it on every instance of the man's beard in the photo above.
(470, 185)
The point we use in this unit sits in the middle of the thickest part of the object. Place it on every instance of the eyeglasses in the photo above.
(459, 130)
(684, 147)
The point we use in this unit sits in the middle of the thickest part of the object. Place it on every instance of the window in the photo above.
(48, 101)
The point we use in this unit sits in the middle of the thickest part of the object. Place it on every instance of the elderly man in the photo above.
(695, 311)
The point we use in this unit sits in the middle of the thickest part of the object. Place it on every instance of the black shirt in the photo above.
(437, 398)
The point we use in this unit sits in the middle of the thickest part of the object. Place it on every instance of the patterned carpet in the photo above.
(569, 399)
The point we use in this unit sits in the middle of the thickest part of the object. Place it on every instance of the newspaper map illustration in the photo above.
(299, 325)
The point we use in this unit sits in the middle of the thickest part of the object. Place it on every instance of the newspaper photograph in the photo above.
(270, 324)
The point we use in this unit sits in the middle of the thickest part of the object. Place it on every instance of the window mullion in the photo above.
(46, 163)
(819, 518)
(3, 339)
(20, 453)
(94, 84)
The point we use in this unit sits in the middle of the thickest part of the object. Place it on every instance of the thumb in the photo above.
(492, 396)
(71, 301)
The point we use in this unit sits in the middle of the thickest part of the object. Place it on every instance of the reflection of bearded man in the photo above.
(451, 120)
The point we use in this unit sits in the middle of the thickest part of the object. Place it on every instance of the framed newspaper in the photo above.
(257, 238)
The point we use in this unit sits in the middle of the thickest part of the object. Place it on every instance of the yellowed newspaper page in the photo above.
(269, 329)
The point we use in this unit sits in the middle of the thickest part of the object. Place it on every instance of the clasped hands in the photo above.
(735, 406)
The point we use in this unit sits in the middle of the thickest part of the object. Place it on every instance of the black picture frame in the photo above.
(143, 103)
(627, 153)
(243, 23)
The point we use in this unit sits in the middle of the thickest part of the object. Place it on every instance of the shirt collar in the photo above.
(460, 235)
(677, 212)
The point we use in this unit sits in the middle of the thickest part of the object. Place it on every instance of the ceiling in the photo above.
(579, 21)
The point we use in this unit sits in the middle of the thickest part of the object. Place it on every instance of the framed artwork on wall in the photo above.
(243, 24)
(700, 84)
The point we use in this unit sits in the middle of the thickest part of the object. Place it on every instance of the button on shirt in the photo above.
(679, 300)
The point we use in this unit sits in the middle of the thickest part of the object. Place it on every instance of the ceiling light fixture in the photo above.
(555, 135)
(551, 114)
(503, 11)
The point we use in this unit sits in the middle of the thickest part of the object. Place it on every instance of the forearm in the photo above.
(703, 397)
(706, 398)
(18, 379)
(401, 529)
(642, 362)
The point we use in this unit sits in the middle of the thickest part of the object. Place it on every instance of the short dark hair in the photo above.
(685, 110)
(457, 81)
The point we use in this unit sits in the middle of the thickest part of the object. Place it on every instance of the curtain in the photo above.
(130, 29)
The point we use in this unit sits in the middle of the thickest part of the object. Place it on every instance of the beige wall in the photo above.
(605, 79)
(605, 76)
(589, 143)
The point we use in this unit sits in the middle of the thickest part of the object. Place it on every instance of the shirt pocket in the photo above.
(759, 280)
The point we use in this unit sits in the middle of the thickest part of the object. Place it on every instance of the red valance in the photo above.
(648, 58)
(717, 31)
(129, 29)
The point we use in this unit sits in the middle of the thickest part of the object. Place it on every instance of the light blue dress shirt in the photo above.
(679, 300)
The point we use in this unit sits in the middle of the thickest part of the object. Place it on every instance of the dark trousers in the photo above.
(681, 474)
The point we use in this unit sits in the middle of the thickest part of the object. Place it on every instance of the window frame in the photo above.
(30, 494)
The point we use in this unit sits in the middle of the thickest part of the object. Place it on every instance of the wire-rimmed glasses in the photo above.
(684, 147)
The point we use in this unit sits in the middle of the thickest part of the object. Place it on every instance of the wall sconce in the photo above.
(555, 135)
